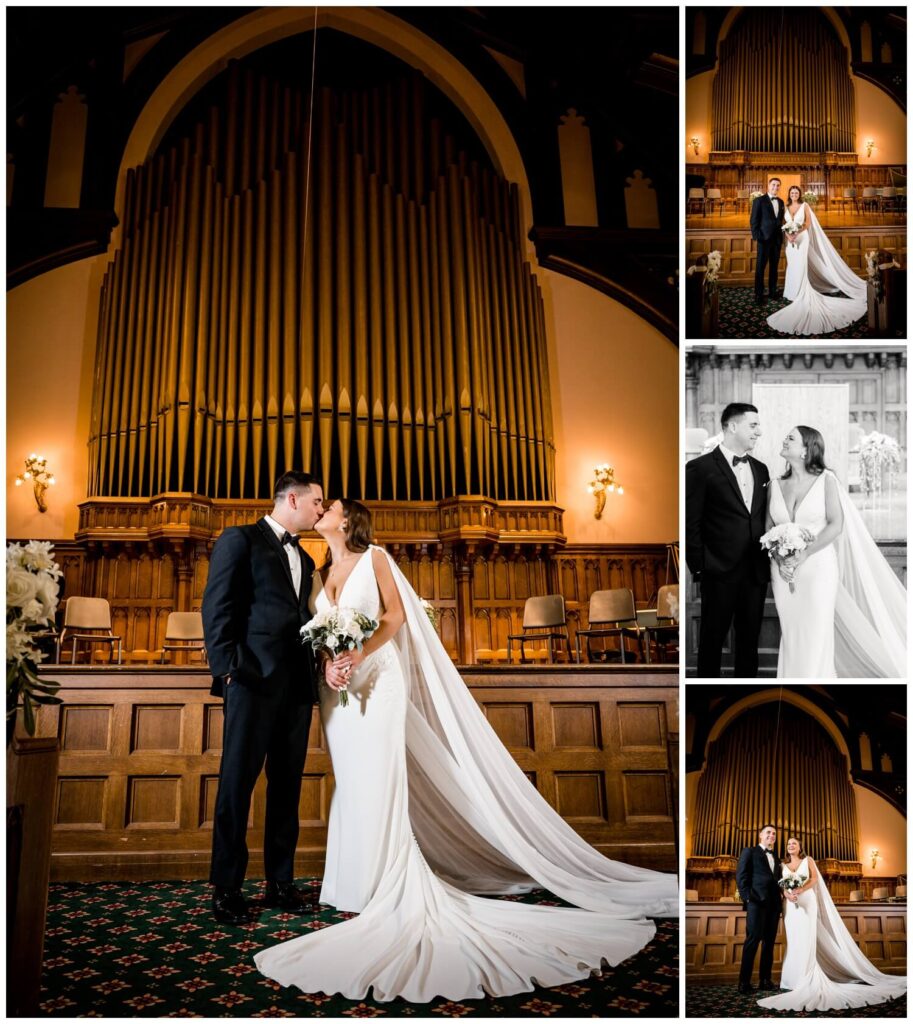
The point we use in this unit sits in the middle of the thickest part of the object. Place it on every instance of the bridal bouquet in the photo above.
(786, 540)
(787, 884)
(336, 630)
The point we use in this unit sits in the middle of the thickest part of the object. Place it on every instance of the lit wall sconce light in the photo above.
(874, 855)
(869, 146)
(36, 470)
(696, 143)
(603, 484)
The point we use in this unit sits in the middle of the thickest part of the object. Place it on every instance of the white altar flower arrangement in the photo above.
(337, 630)
(31, 603)
(786, 540)
(756, 195)
(710, 266)
(877, 452)
(811, 198)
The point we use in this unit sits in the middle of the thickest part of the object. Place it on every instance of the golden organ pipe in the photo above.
(274, 330)
(258, 352)
(391, 403)
(307, 385)
(461, 334)
(325, 285)
(427, 357)
(376, 334)
(447, 335)
(416, 353)
(208, 397)
(289, 327)
(437, 341)
(343, 318)
(403, 384)
(245, 337)
(360, 285)
(188, 337)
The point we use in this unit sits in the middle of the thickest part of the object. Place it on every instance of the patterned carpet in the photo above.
(741, 318)
(725, 1001)
(152, 949)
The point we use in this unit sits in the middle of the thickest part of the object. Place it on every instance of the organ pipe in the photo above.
(788, 772)
(782, 86)
(365, 312)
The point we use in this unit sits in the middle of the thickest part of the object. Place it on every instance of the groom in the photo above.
(767, 230)
(256, 601)
(756, 878)
(725, 516)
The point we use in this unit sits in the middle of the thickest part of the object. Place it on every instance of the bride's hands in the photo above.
(349, 661)
(336, 678)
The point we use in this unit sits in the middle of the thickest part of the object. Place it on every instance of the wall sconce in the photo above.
(869, 146)
(696, 142)
(36, 470)
(603, 484)
(874, 855)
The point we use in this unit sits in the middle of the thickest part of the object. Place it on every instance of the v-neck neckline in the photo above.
(342, 590)
(798, 505)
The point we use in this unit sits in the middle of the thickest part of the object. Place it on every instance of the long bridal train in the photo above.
(823, 968)
(430, 814)
(813, 269)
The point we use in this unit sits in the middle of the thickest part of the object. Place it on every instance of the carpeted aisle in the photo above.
(152, 949)
(741, 318)
(725, 1001)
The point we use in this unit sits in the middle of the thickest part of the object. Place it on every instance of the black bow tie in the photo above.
(290, 538)
(736, 459)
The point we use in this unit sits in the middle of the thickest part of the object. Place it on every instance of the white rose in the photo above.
(47, 597)
(21, 586)
(332, 642)
(37, 555)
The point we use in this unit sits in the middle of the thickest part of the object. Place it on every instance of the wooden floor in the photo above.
(827, 219)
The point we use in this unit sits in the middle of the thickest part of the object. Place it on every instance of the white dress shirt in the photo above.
(743, 474)
(775, 206)
(770, 858)
(291, 551)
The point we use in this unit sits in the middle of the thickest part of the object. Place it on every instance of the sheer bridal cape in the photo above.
(459, 821)
(815, 272)
(871, 611)
(835, 975)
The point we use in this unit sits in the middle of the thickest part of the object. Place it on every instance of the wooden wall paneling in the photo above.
(140, 753)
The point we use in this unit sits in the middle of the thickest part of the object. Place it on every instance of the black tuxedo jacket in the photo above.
(720, 532)
(765, 224)
(252, 615)
(755, 881)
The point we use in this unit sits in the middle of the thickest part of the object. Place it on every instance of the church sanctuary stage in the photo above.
(715, 933)
(140, 750)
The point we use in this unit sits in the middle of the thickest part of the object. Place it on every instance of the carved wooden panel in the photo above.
(715, 935)
(138, 776)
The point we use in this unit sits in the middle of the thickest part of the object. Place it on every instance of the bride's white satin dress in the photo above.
(416, 935)
(806, 615)
(823, 969)
(811, 311)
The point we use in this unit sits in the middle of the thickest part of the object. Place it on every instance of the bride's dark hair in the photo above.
(786, 858)
(814, 452)
(359, 528)
(789, 194)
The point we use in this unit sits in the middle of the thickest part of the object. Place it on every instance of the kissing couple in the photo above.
(841, 608)
(430, 812)
(823, 968)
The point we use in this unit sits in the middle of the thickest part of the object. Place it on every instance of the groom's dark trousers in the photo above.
(761, 900)
(767, 231)
(251, 620)
(724, 554)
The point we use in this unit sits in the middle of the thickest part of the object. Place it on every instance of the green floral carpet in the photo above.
(725, 1001)
(741, 318)
(152, 949)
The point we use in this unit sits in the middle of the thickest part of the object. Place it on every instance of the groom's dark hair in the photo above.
(291, 479)
(777, 180)
(734, 410)
(768, 825)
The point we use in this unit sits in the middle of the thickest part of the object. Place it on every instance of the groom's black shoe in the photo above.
(287, 897)
(775, 294)
(759, 300)
(767, 986)
(229, 906)
(745, 989)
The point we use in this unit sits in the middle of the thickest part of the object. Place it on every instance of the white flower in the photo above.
(331, 641)
(46, 596)
(19, 644)
(37, 555)
(21, 586)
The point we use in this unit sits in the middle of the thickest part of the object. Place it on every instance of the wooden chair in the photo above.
(742, 198)
(857, 896)
(664, 630)
(696, 197)
(184, 632)
(611, 613)
(715, 195)
(544, 618)
(881, 892)
(869, 198)
(88, 613)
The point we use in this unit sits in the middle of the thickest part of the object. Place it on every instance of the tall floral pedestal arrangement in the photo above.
(31, 769)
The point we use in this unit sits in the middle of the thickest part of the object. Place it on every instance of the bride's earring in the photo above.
(342, 527)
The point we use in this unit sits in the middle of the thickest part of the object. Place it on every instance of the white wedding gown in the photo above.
(806, 613)
(847, 617)
(814, 268)
(823, 968)
(430, 808)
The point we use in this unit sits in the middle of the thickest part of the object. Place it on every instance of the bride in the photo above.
(841, 607)
(823, 968)
(814, 268)
(430, 813)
